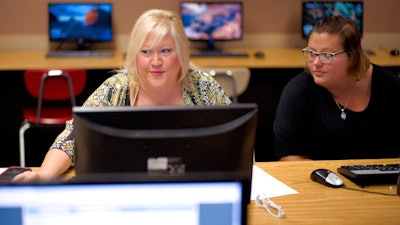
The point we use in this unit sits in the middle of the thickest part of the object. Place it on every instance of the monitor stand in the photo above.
(211, 51)
(75, 45)
(81, 50)
(81, 44)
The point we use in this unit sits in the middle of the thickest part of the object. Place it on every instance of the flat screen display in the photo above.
(165, 140)
(124, 202)
(83, 22)
(314, 11)
(216, 21)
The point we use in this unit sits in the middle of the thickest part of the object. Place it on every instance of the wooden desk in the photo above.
(318, 204)
(22, 60)
(274, 58)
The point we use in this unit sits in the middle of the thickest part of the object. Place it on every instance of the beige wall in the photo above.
(268, 23)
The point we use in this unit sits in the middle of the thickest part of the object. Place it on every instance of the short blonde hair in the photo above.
(161, 23)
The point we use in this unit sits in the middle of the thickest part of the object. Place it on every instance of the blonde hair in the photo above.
(161, 23)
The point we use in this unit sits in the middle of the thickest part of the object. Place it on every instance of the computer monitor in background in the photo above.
(315, 10)
(212, 21)
(80, 23)
(166, 140)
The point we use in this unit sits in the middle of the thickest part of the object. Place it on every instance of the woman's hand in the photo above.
(55, 163)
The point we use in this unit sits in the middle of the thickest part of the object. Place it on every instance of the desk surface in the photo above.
(274, 58)
(318, 204)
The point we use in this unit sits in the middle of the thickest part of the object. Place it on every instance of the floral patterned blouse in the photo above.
(114, 91)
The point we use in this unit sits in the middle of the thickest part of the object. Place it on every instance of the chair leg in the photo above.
(22, 130)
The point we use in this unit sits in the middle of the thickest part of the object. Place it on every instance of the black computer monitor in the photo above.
(316, 10)
(212, 21)
(165, 140)
(80, 22)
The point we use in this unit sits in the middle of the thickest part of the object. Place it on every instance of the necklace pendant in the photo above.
(343, 115)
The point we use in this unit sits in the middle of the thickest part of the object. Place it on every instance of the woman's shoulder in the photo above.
(377, 69)
(201, 80)
(118, 81)
(111, 92)
(380, 73)
(302, 77)
(205, 89)
(301, 81)
(118, 78)
(200, 76)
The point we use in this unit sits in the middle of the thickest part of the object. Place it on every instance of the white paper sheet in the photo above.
(262, 182)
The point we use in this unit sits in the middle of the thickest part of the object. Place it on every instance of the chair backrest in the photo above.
(234, 80)
(55, 82)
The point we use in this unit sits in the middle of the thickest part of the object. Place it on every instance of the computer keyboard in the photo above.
(218, 54)
(371, 174)
(81, 53)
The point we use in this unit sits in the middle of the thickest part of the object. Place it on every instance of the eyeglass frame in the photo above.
(273, 209)
(319, 54)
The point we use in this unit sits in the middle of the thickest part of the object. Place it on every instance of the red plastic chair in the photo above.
(49, 87)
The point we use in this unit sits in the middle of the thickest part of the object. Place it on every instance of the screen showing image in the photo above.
(85, 22)
(216, 21)
(314, 11)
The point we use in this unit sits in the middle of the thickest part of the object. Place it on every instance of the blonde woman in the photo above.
(157, 71)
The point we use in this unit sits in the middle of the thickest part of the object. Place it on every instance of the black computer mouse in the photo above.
(259, 54)
(395, 52)
(327, 178)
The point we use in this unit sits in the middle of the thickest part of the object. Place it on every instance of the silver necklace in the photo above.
(343, 114)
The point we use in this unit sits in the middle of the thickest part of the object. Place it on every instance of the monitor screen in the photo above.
(124, 202)
(314, 11)
(212, 21)
(165, 140)
(80, 22)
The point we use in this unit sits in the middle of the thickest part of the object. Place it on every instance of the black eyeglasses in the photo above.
(325, 57)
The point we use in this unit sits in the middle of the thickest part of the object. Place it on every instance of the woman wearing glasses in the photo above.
(342, 106)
